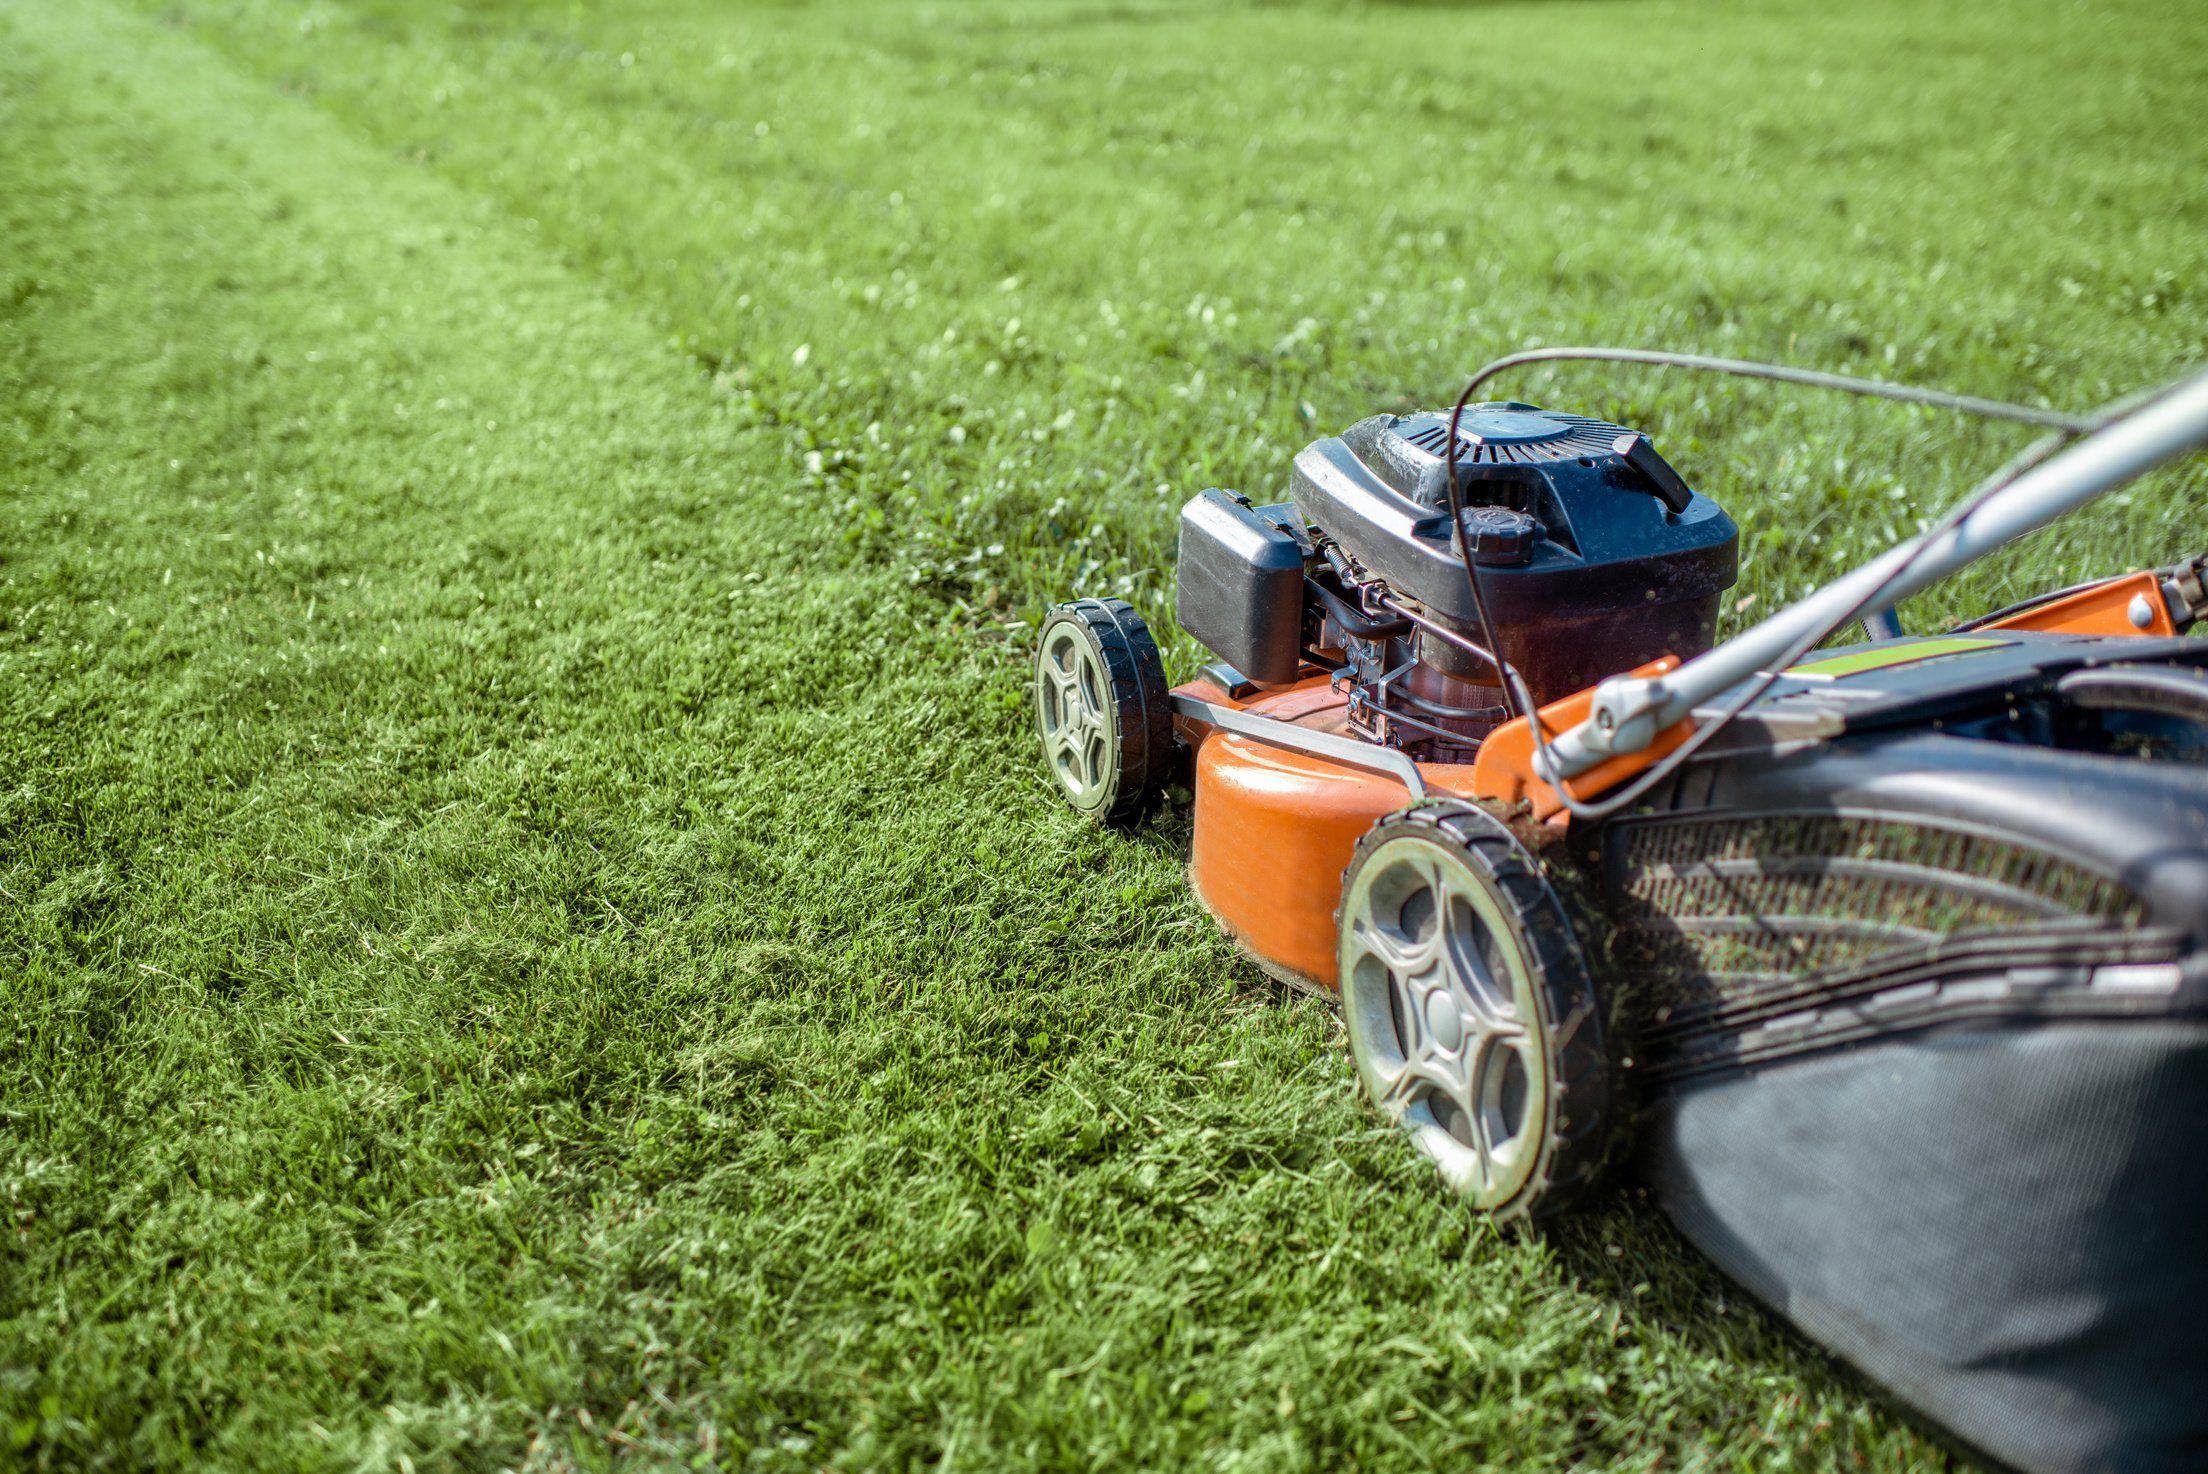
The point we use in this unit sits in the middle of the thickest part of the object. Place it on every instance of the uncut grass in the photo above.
(531, 934)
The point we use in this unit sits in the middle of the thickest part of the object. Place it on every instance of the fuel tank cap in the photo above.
(1500, 536)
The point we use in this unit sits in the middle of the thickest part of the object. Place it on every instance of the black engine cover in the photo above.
(1612, 577)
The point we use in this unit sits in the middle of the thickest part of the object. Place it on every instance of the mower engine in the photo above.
(1594, 556)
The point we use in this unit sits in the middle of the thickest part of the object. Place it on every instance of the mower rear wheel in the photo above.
(1101, 709)
(1472, 1016)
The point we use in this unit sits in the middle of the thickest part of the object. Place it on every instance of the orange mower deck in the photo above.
(1275, 827)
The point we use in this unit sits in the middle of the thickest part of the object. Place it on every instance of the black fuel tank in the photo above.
(1239, 585)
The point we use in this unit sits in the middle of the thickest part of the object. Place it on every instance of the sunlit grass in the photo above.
(529, 929)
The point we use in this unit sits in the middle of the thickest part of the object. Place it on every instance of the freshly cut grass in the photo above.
(530, 932)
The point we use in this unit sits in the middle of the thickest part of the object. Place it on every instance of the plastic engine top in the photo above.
(1586, 567)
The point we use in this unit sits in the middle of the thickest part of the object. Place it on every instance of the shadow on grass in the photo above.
(1622, 1246)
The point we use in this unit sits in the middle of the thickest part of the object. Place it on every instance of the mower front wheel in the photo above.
(1472, 1016)
(1101, 709)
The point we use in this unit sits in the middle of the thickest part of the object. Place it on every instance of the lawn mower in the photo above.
(1884, 963)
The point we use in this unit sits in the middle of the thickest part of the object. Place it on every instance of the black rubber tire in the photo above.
(1140, 760)
(1581, 1121)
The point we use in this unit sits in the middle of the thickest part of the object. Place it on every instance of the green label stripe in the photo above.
(1858, 661)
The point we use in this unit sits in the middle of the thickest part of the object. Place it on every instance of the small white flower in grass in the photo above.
(957, 434)
(804, 351)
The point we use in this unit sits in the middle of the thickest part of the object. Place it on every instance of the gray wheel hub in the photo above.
(1443, 1025)
(1074, 714)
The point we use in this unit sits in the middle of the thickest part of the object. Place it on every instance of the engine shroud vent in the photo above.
(1511, 435)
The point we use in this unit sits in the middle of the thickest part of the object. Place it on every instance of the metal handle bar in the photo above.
(2168, 690)
(1627, 713)
(1393, 761)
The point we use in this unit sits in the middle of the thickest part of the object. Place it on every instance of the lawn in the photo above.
(530, 930)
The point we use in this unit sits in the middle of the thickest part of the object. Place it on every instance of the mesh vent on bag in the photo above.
(1717, 915)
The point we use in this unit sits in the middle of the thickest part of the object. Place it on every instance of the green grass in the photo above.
(531, 934)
